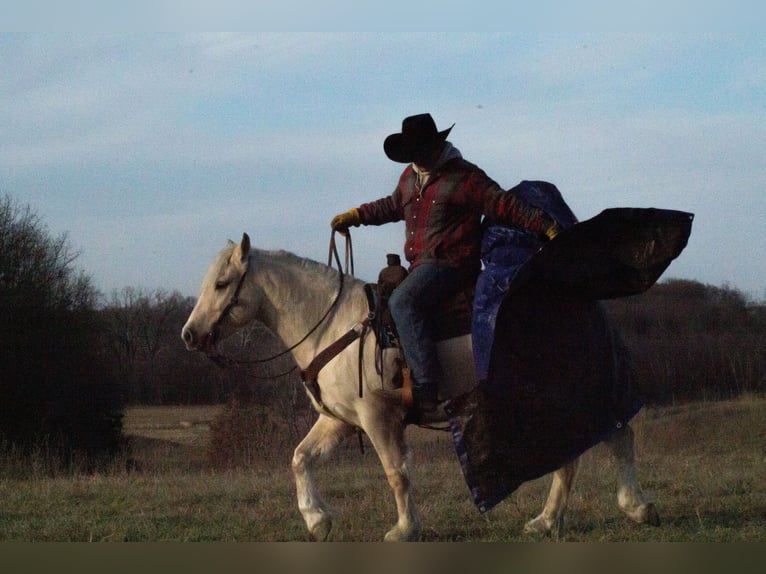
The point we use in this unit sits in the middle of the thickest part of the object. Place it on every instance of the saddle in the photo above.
(451, 319)
(452, 327)
(452, 322)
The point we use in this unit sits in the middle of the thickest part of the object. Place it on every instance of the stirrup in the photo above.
(403, 395)
(407, 397)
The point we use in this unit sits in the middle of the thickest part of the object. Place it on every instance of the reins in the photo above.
(310, 374)
(226, 362)
(349, 258)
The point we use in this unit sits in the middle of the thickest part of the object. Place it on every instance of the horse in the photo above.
(304, 303)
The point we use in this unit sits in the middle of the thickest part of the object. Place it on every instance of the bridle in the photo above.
(310, 373)
(233, 302)
(223, 361)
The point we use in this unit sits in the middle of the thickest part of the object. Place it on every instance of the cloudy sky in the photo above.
(151, 150)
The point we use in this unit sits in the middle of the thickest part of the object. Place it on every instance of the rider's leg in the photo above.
(412, 304)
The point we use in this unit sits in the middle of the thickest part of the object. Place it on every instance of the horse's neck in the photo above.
(296, 299)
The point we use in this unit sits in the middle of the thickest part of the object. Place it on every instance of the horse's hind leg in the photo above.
(551, 519)
(323, 437)
(630, 497)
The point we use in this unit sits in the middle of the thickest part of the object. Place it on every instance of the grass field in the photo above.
(704, 464)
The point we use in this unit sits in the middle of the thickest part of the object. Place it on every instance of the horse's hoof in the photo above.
(397, 534)
(540, 525)
(321, 530)
(652, 516)
(644, 514)
(545, 526)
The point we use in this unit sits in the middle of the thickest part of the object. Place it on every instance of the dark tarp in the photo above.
(620, 252)
(504, 250)
(559, 378)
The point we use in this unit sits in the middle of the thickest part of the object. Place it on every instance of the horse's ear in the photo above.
(244, 247)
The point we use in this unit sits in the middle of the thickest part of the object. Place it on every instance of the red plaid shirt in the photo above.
(443, 220)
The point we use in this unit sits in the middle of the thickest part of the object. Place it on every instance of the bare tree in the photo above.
(53, 380)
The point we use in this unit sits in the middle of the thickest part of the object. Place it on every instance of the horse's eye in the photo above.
(220, 285)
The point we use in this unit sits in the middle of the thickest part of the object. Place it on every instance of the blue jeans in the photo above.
(412, 305)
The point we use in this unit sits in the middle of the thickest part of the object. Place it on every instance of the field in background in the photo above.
(704, 463)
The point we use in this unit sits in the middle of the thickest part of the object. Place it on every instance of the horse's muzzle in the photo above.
(194, 342)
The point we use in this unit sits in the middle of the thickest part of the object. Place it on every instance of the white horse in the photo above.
(300, 301)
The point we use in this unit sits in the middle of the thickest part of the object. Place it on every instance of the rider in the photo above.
(441, 197)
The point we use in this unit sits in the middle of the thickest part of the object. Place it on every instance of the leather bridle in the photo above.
(223, 361)
(233, 302)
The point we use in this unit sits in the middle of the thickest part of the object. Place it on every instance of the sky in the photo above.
(151, 150)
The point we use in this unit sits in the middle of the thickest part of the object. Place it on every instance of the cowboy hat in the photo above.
(419, 137)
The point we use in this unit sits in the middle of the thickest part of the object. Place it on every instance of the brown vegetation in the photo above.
(688, 342)
(704, 464)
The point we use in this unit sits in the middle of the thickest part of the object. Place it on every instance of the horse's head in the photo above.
(223, 305)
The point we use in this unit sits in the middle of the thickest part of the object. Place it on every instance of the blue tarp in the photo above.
(503, 251)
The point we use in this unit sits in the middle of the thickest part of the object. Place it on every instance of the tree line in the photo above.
(687, 341)
(55, 388)
(71, 359)
(141, 333)
(690, 341)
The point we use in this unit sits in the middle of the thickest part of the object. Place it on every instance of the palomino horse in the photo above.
(299, 300)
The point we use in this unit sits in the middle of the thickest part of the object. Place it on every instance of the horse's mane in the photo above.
(286, 259)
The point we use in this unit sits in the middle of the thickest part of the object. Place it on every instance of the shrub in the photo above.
(691, 341)
(245, 435)
(54, 389)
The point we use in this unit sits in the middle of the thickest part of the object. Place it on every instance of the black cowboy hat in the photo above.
(418, 139)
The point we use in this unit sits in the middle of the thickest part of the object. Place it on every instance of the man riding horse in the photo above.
(442, 198)
(552, 392)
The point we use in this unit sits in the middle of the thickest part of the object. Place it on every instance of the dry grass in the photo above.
(184, 425)
(704, 463)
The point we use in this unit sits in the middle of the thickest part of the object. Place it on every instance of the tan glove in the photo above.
(343, 221)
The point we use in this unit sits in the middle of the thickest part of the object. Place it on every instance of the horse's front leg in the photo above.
(551, 519)
(387, 436)
(630, 497)
(323, 437)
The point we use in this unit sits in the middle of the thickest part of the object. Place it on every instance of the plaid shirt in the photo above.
(443, 220)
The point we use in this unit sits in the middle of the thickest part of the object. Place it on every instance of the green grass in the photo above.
(704, 464)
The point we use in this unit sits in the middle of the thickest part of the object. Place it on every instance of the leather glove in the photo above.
(343, 221)
(552, 231)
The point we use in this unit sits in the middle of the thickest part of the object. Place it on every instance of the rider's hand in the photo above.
(343, 221)
(552, 231)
